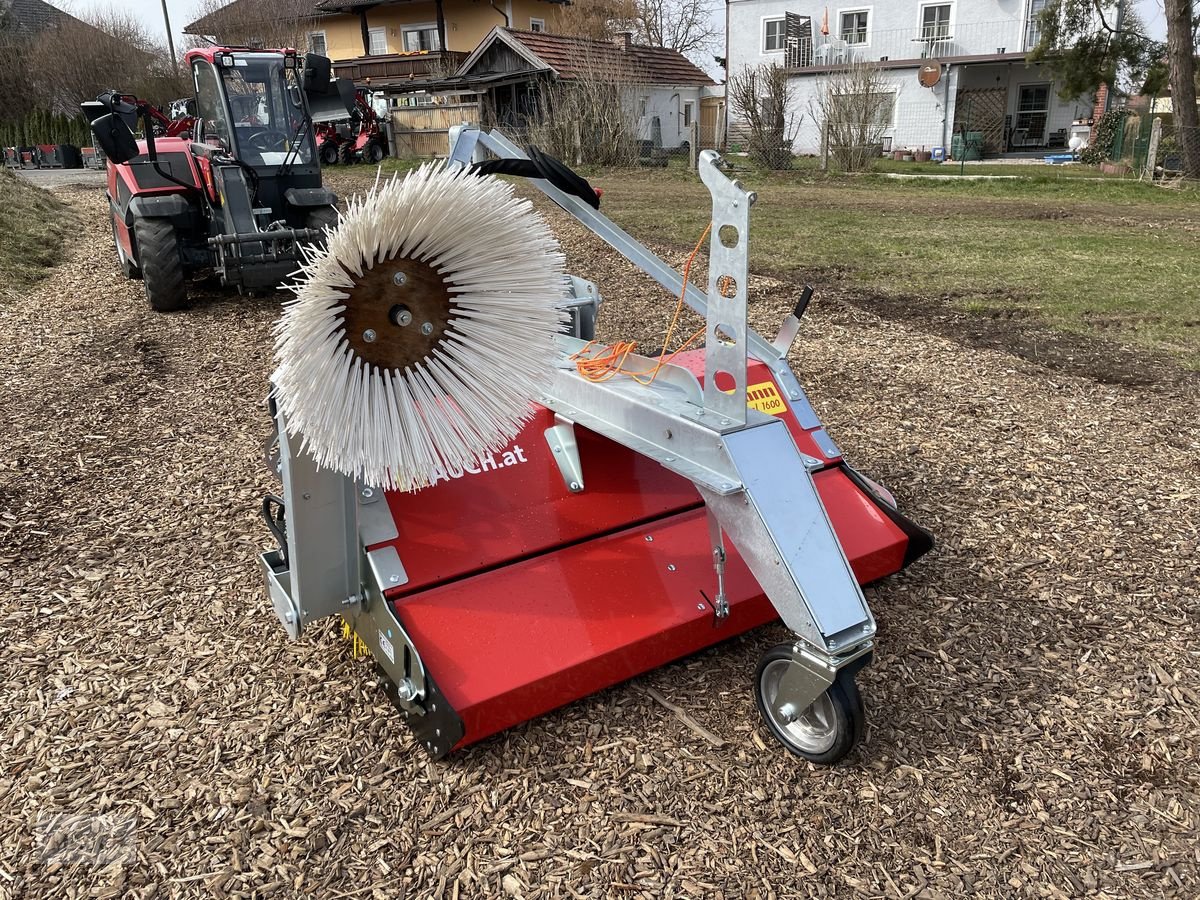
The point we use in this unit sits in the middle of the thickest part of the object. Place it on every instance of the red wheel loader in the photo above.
(356, 136)
(237, 195)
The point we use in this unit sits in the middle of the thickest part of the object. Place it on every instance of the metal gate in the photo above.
(983, 110)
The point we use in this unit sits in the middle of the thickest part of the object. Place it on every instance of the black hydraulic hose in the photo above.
(542, 165)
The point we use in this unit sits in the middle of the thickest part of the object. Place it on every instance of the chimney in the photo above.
(625, 40)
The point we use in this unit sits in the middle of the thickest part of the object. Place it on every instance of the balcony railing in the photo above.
(930, 42)
(391, 67)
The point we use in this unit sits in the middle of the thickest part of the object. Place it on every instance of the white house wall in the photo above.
(920, 117)
(666, 102)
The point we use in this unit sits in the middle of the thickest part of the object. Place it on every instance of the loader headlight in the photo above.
(289, 61)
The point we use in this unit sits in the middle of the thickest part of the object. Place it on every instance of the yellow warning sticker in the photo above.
(765, 397)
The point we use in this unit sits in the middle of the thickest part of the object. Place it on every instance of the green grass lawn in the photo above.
(1111, 255)
(33, 236)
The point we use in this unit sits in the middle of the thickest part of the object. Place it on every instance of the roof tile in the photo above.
(572, 57)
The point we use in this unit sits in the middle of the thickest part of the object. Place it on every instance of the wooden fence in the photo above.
(423, 132)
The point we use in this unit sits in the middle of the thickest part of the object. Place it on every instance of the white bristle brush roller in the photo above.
(421, 333)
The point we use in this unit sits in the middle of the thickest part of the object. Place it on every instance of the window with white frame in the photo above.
(774, 33)
(854, 26)
(317, 44)
(537, 24)
(935, 22)
(1034, 33)
(688, 114)
(420, 37)
(377, 41)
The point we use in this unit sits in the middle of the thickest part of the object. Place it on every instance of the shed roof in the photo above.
(571, 57)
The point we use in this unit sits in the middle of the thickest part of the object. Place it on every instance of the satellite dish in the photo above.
(930, 73)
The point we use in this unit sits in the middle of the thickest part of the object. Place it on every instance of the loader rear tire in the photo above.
(824, 732)
(128, 267)
(374, 152)
(346, 154)
(162, 266)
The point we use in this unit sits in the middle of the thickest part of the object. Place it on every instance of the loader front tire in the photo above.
(329, 153)
(322, 217)
(162, 266)
(824, 732)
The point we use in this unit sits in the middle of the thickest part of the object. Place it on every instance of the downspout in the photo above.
(507, 20)
(946, 109)
(366, 34)
(725, 136)
(441, 26)
(1119, 25)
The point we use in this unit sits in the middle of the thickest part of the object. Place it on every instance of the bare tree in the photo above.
(597, 19)
(761, 98)
(683, 25)
(591, 118)
(75, 60)
(15, 84)
(252, 23)
(853, 110)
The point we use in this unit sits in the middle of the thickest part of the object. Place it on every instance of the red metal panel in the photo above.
(872, 542)
(516, 642)
(513, 643)
(517, 504)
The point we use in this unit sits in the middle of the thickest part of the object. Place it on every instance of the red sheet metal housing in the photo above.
(523, 596)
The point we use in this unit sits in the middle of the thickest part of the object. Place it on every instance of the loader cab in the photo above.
(251, 106)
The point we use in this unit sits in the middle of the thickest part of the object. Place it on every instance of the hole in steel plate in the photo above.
(728, 235)
(726, 334)
(725, 382)
(727, 286)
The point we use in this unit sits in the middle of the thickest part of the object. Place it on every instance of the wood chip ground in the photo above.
(1032, 703)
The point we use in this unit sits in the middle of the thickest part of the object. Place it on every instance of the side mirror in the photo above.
(114, 138)
(318, 71)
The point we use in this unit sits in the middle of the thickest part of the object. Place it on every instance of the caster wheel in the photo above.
(824, 732)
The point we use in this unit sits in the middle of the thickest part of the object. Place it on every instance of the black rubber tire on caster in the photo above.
(825, 732)
(162, 266)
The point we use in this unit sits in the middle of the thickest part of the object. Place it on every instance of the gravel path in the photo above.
(1032, 705)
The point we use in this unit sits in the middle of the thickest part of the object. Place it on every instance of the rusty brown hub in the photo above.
(397, 313)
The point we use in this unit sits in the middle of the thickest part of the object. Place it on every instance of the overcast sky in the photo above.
(184, 11)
